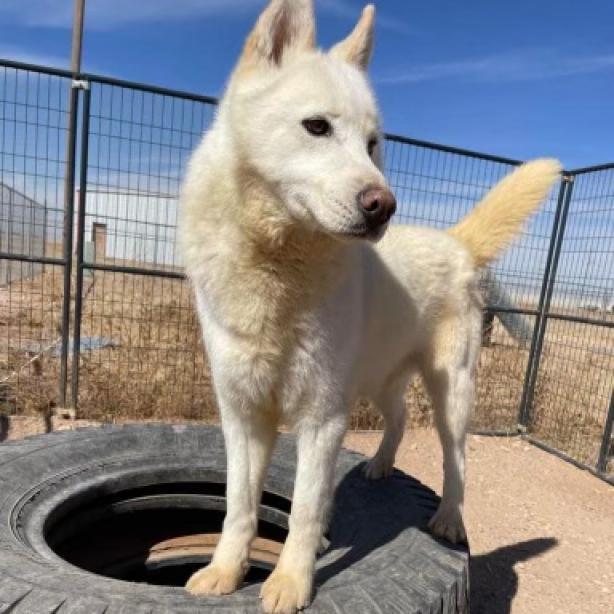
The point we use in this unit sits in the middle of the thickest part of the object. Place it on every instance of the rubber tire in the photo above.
(381, 559)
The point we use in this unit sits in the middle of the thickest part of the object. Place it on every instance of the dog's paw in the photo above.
(378, 467)
(215, 580)
(285, 593)
(447, 523)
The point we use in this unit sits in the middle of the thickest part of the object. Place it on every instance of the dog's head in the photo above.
(306, 123)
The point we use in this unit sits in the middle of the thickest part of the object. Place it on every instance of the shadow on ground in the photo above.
(494, 581)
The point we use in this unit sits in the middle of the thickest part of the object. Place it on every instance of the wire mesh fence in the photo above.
(573, 384)
(34, 132)
(135, 302)
(118, 312)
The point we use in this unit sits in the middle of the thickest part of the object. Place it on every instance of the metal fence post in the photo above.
(607, 437)
(85, 86)
(539, 331)
(67, 239)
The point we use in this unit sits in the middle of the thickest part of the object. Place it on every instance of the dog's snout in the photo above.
(377, 205)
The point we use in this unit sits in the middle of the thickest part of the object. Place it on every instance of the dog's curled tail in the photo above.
(494, 222)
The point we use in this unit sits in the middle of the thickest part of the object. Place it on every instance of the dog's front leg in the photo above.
(289, 587)
(249, 439)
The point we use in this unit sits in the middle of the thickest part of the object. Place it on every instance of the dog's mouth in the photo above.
(362, 232)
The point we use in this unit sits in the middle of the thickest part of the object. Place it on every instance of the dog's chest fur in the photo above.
(261, 312)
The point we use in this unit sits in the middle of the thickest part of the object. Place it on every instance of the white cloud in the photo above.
(518, 65)
(106, 14)
(19, 54)
(351, 11)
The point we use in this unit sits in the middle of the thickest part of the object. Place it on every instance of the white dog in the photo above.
(301, 313)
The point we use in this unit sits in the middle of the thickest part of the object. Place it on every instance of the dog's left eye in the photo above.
(318, 126)
(371, 145)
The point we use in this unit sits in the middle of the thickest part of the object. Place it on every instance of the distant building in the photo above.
(131, 228)
(23, 227)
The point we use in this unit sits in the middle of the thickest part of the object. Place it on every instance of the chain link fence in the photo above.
(95, 312)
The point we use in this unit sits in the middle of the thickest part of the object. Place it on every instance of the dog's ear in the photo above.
(284, 26)
(357, 47)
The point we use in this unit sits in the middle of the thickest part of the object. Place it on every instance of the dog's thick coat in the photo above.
(300, 316)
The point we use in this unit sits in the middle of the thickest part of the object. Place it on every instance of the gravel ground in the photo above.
(541, 531)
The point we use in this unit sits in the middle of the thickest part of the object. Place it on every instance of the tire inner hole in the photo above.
(159, 534)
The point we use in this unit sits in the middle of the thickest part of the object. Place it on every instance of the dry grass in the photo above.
(157, 370)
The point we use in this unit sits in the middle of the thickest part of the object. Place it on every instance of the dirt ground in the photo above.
(541, 531)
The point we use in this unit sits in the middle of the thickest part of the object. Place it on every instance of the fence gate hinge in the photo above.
(80, 84)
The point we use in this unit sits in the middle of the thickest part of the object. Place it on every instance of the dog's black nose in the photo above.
(378, 205)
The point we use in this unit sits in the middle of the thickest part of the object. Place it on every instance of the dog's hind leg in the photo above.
(449, 375)
(391, 402)
(249, 443)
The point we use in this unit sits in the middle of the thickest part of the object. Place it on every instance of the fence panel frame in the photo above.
(67, 220)
(546, 314)
(541, 322)
(76, 349)
(69, 213)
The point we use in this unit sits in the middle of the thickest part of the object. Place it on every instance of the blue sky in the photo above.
(521, 79)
